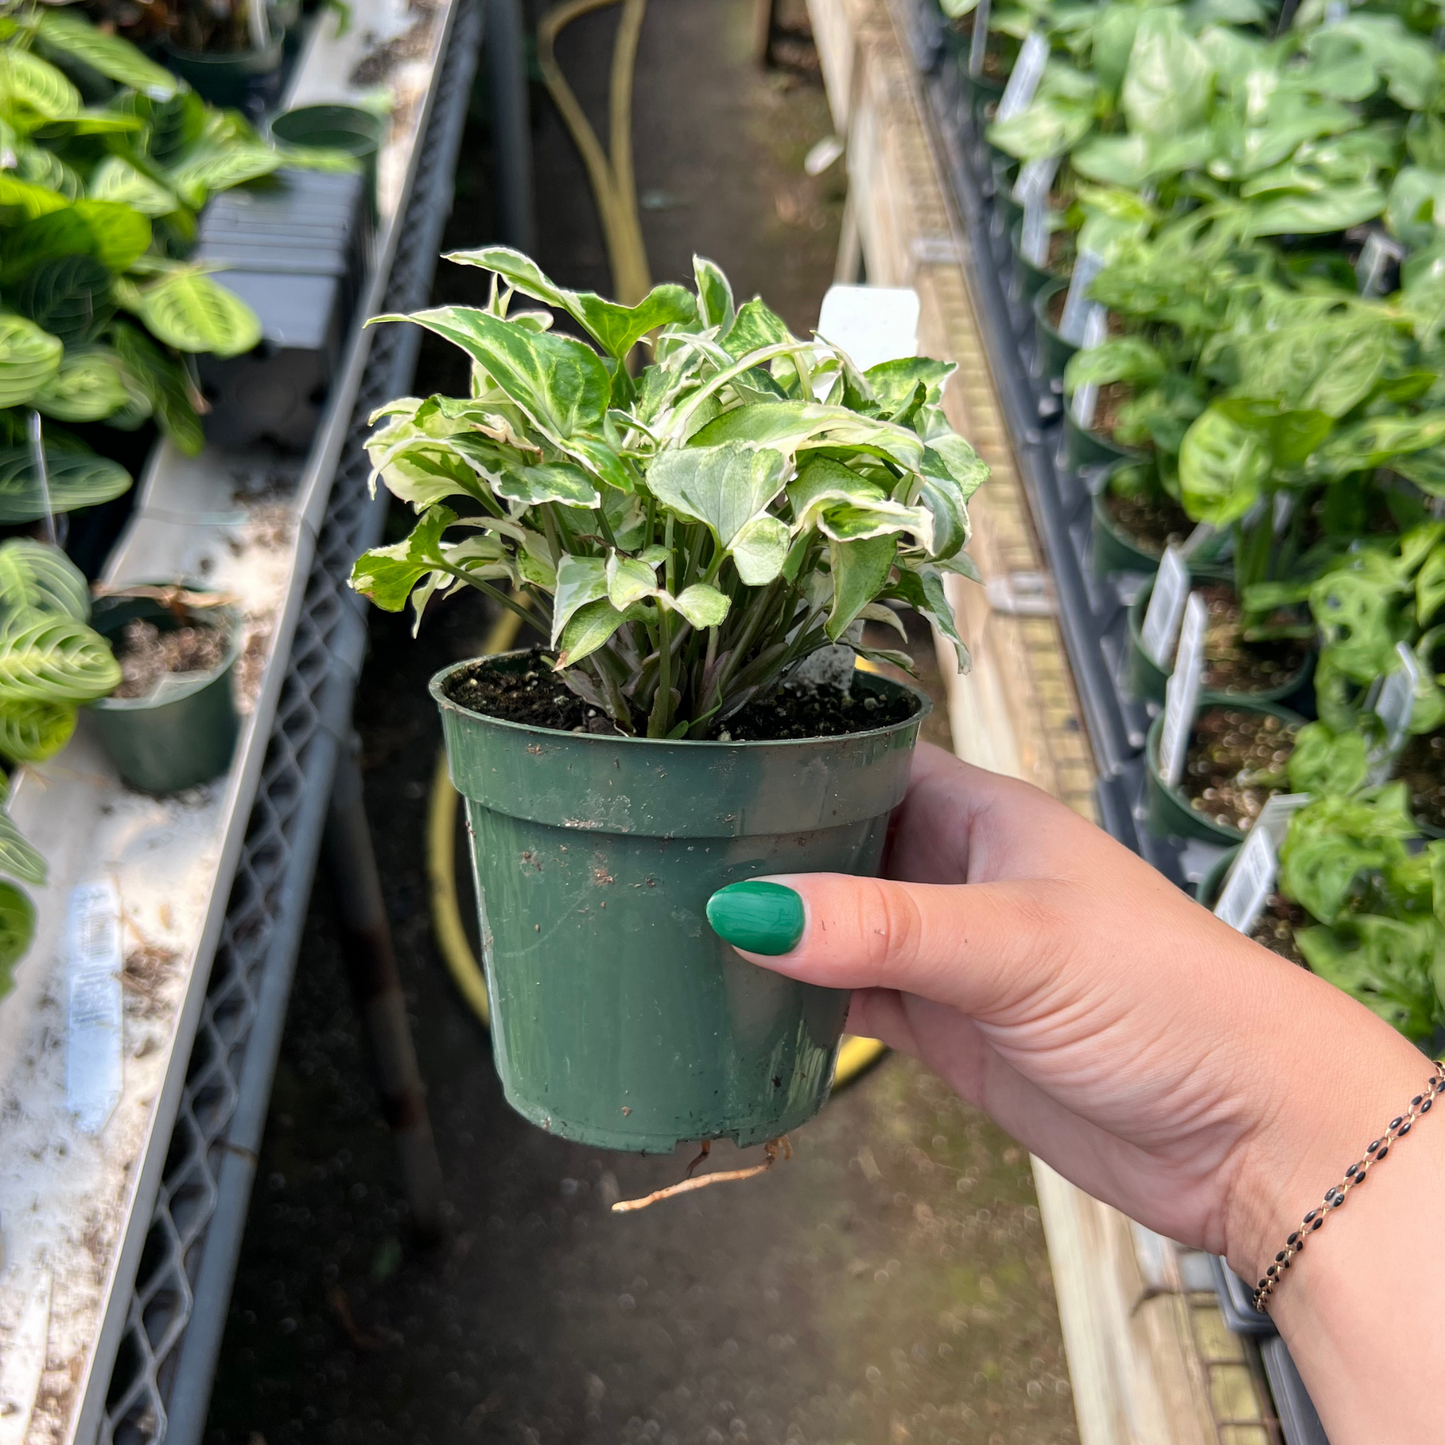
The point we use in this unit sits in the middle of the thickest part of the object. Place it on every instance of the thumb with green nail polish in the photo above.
(757, 916)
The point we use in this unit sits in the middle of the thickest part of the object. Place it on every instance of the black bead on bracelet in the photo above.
(1354, 1175)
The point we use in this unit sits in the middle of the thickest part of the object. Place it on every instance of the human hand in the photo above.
(1162, 1061)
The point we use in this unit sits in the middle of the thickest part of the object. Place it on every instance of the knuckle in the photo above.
(892, 925)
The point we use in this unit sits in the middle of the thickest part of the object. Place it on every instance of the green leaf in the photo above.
(724, 486)
(554, 482)
(714, 294)
(1125, 358)
(1327, 764)
(387, 575)
(114, 58)
(87, 387)
(581, 581)
(860, 572)
(113, 233)
(825, 483)
(49, 658)
(1168, 83)
(616, 329)
(922, 588)
(17, 932)
(115, 179)
(17, 857)
(165, 382)
(629, 580)
(588, 628)
(703, 606)
(1335, 209)
(788, 425)
(213, 168)
(1430, 587)
(1222, 468)
(29, 200)
(188, 310)
(894, 383)
(29, 357)
(68, 297)
(755, 326)
(759, 550)
(31, 85)
(558, 382)
(36, 577)
(77, 478)
(31, 732)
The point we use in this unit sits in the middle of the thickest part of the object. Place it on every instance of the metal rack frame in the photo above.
(175, 1318)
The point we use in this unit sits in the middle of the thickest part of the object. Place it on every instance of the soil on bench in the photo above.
(1237, 762)
(146, 654)
(539, 698)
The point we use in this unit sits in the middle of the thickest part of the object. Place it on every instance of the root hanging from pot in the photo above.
(773, 1149)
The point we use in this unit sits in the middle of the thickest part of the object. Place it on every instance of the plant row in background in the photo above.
(1231, 226)
(106, 158)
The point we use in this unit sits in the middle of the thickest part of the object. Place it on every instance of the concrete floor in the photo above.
(890, 1283)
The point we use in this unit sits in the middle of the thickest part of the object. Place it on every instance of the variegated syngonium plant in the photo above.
(687, 536)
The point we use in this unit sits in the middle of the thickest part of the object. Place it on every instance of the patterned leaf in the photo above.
(68, 297)
(78, 478)
(29, 357)
(17, 931)
(30, 732)
(116, 179)
(88, 387)
(189, 311)
(30, 84)
(18, 858)
(113, 57)
(45, 658)
(39, 578)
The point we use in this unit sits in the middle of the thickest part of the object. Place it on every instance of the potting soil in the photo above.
(146, 654)
(539, 698)
(1237, 762)
(1232, 665)
(1276, 925)
(1422, 768)
(1151, 523)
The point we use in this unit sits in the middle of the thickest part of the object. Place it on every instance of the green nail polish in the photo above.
(756, 916)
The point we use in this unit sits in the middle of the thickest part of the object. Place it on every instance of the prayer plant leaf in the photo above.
(29, 357)
(17, 932)
(113, 57)
(45, 657)
(36, 577)
(188, 310)
(17, 857)
(31, 732)
(76, 476)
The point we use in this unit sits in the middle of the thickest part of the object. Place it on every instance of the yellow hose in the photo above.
(614, 188)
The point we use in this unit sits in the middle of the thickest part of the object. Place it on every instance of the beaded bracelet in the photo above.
(1354, 1175)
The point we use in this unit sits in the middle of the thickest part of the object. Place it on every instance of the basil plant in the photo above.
(684, 537)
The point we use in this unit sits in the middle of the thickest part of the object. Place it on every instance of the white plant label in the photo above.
(1027, 72)
(1181, 696)
(1036, 179)
(1375, 257)
(1196, 539)
(1086, 397)
(1077, 306)
(1393, 705)
(94, 1012)
(978, 45)
(1275, 815)
(1031, 191)
(1249, 882)
(1166, 608)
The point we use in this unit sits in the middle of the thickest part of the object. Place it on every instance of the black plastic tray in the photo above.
(1236, 1302)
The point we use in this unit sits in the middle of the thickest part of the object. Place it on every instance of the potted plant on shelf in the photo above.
(171, 721)
(223, 49)
(688, 541)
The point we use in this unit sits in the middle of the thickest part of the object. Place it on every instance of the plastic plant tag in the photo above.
(1397, 697)
(1377, 255)
(1027, 72)
(978, 45)
(1166, 608)
(1034, 233)
(94, 1011)
(1283, 511)
(1181, 696)
(1275, 815)
(1036, 179)
(1250, 881)
(1086, 397)
(1202, 534)
(1077, 306)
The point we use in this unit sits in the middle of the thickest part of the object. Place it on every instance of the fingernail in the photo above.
(757, 916)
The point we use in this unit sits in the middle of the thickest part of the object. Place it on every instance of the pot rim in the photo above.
(195, 681)
(209, 57)
(435, 688)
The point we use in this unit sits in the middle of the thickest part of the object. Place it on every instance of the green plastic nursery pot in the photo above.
(1084, 447)
(1114, 550)
(184, 734)
(345, 128)
(1005, 173)
(1147, 681)
(619, 1019)
(1054, 351)
(1212, 884)
(1032, 279)
(1170, 815)
(222, 77)
(984, 91)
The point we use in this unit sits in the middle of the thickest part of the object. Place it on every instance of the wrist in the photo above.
(1336, 1077)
